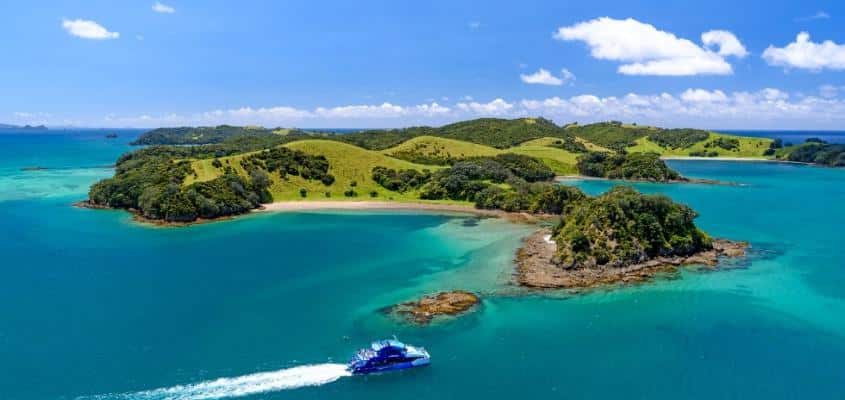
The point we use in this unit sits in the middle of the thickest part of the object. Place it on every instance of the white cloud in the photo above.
(726, 42)
(474, 25)
(703, 108)
(541, 77)
(805, 54)
(495, 107)
(830, 91)
(87, 29)
(566, 75)
(645, 50)
(703, 96)
(544, 77)
(163, 8)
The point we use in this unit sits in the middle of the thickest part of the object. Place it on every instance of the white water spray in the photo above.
(291, 378)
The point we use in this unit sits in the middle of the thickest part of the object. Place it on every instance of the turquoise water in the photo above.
(93, 305)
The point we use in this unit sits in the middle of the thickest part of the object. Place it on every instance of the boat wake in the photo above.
(291, 378)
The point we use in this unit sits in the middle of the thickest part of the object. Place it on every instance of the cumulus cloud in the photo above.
(646, 50)
(726, 42)
(163, 8)
(830, 91)
(541, 77)
(87, 29)
(806, 54)
(495, 107)
(703, 96)
(694, 107)
(544, 77)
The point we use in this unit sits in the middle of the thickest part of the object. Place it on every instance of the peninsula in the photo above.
(491, 166)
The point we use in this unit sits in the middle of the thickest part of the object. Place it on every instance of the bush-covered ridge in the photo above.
(623, 227)
(151, 181)
(632, 166)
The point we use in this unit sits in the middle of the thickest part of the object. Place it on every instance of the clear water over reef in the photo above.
(92, 304)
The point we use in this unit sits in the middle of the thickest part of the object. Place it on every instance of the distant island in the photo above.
(25, 127)
(490, 166)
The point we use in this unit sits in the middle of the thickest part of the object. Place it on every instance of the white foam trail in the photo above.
(291, 378)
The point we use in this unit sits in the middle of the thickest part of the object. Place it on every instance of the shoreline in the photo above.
(534, 268)
(324, 205)
(693, 181)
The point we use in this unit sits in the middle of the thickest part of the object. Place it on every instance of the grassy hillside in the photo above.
(491, 132)
(441, 151)
(560, 161)
(747, 147)
(348, 164)
(438, 150)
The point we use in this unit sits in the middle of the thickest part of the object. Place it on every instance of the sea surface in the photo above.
(791, 137)
(269, 306)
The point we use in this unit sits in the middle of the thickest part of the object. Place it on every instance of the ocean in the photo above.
(269, 306)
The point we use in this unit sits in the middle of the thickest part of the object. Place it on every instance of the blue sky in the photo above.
(714, 64)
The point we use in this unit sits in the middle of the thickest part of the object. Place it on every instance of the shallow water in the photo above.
(92, 304)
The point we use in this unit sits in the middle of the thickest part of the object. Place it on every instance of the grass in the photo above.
(432, 146)
(560, 161)
(349, 164)
(749, 147)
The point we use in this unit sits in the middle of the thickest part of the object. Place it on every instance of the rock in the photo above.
(536, 269)
(427, 308)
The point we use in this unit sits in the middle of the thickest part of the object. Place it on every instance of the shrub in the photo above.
(303, 192)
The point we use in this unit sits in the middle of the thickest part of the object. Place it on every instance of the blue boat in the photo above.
(388, 355)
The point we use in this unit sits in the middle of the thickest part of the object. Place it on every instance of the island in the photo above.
(489, 166)
(23, 128)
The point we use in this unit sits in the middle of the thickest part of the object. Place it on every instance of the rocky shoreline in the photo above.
(535, 269)
(137, 217)
(424, 310)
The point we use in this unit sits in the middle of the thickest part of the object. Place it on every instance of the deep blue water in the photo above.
(92, 304)
(792, 137)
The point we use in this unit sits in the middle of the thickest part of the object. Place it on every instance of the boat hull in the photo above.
(364, 370)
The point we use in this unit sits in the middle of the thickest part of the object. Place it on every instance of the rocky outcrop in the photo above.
(424, 310)
(535, 267)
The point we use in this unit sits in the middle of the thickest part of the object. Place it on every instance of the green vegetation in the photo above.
(815, 152)
(632, 166)
(151, 182)
(438, 151)
(402, 180)
(723, 142)
(678, 138)
(211, 134)
(716, 145)
(491, 132)
(495, 163)
(612, 135)
(623, 227)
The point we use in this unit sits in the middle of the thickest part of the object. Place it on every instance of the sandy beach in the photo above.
(392, 205)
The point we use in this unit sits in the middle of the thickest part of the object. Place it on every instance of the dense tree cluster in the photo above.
(290, 162)
(622, 227)
(208, 134)
(402, 180)
(633, 166)
(570, 144)
(724, 143)
(678, 138)
(831, 155)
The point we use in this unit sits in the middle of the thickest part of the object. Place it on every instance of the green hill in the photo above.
(348, 164)
(433, 150)
(715, 145)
